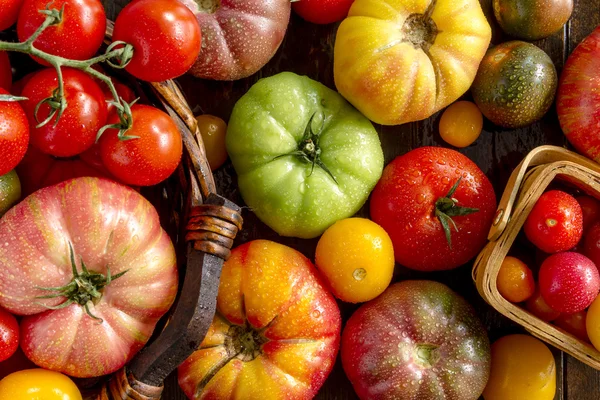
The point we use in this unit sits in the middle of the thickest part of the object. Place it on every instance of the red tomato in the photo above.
(538, 307)
(14, 134)
(84, 116)
(9, 334)
(574, 324)
(149, 159)
(590, 207)
(591, 243)
(322, 11)
(17, 87)
(578, 98)
(555, 223)
(165, 36)
(5, 71)
(17, 362)
(9, 11)
(78, 36)
(411, 196)
(569, 282)
(123, 91)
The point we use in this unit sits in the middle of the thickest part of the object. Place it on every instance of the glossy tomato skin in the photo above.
(578, 99)
(85, 114)
(14, 134)
(515, 280)
(108, 225)
(9, 11)
(149, 159)
(322, 11)
(271, 288)
(5, 72)
(9, 335)
(213, 130)
(403, 203)
(574, 324)
(569, 282)
(165, 36)
(532, 19)
(10, 191)
(78, 36)
(38, 383)
(417, 337)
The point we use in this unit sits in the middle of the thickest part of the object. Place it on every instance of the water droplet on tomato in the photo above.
(316, 314)
(421, 198)
(445, 180)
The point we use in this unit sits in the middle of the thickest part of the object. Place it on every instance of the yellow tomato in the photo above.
(213, 130)
(522, 369)
(38, 384)
(461, 124)
(399, 61)
(356, 257)
(592, 323)
(515, 280)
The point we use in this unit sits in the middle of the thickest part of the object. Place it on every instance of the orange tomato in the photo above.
(356, 257)
(213, 130)
(37, 384)
(538, 307)
(592, 323)
(461, 124)
(523, 368)
(574, 324)
(515, 280)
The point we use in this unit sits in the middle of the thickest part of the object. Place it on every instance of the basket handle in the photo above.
(538, 156)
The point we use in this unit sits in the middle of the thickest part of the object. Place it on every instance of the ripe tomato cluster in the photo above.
(566, 232)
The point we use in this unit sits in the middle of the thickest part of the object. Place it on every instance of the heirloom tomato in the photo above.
(304, 157)
(276, 332)
(436, 205)
(10, 191)
(418, 340)
(578, 100)
(532, 19)
(5, 72)
(38, 384)
(402, 61)
(14, 134)
(238, 36)
(90, 269)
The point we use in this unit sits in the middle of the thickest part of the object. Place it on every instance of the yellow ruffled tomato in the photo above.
(213, 130)
(592, 323)
(36, 384)
(356, 258)
(522, 368)
(461, 124)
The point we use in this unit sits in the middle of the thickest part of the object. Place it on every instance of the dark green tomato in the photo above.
(515, 84)
(10, 191)
(532, 19)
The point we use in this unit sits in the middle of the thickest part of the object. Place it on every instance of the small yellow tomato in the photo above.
(356, 257)
(592, 323)
(515, 280)
(38, 384)
(523, 368)
(461, 124)
(213, 130)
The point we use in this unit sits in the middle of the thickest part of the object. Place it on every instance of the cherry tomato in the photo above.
(9, 11)
(515, 280)
(592, 323)
(165, 36)
(574, 324)
(148, 159)
(84, 116)
(358, 266)
(569, 282)
(5, 70)
(590, 207)
(523, 368)
(17, 87)
(9, 334)
(213, 130)
(538, 307)
(556, 222)
(591, 243)
(78, 36)
(461, 124)
(322, 11)
(14, 134)
(10, 191)
(34, 384)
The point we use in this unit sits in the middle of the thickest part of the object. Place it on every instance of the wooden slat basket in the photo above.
(528, 181)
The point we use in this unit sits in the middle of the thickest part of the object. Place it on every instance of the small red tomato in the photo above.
(84, 116)
(322, 11)
(574, 324)
(590, 208)
(9, 11)
(556, 222)
(569, 282)
(165, 36)
(591, 243)
(14, 134)
(9, 334)
(538, 307)
(78, 36)
(123, 91)
(148, 159)
(5, 71)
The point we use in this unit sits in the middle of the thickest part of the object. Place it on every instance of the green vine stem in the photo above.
(117, 55)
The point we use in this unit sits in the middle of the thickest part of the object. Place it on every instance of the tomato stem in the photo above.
(447, 207)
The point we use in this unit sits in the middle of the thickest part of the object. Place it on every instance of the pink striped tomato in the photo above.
(110, 237)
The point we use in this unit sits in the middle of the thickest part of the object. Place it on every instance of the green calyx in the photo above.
(447, 207)
(85, 287)
(427, 355)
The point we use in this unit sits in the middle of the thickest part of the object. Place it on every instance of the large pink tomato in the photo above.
(238, 36)
(90, 268)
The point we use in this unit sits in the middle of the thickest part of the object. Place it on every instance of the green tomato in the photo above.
(10, 191)
(305, 157)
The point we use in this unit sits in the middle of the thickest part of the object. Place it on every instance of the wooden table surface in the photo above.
(308, 49)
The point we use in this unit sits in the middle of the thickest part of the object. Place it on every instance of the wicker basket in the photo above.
(526, 184)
